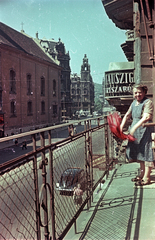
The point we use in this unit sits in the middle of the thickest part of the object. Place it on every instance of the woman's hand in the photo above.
(125, 119)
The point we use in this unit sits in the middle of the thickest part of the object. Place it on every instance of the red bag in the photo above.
(114, 121)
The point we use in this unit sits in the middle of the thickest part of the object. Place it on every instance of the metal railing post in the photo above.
(75, 228)
(110, 144)
(106, 146)
(91, 160)
(52, 186)
(86, 161)
(36, 189)
(44, 173)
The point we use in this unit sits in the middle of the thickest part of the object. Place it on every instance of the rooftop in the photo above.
(22, 42)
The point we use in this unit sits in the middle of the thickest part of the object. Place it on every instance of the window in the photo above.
(12, 82)
(54, 109)
(54, 88)
(29, 84)
(42, 86)
(42, 107)
(78, 91)
(13, 108)
(73, 91)
(29, 108)
(85, 91)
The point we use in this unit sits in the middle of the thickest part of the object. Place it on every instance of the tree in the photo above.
(98, 106)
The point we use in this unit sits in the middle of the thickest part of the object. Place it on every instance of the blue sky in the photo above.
(82, 25)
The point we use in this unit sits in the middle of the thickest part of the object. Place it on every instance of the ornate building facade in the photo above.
(58, 52)
(82, 89)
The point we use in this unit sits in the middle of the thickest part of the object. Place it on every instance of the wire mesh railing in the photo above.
(36, 190)
(68, 160)
(17, 207)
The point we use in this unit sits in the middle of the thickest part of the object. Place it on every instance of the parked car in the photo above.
(69, 180)
(89, 116)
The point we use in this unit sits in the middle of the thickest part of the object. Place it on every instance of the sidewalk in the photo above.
(119, 210)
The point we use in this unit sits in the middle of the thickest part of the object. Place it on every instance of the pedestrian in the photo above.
(140, 150)
(77, 196)
(16, 141)
(75, 131)
(71, 130)
(24, 145)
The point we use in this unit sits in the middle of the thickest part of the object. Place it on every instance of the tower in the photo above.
(87, 87)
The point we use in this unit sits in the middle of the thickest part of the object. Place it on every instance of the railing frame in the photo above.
(87, 133)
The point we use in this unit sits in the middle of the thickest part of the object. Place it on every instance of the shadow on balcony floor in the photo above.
(119, 210)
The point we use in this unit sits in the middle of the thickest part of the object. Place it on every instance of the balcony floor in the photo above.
(119, 210)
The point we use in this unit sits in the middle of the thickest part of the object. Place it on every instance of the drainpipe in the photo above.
(146, 32)
(151, 24)
(137, 43)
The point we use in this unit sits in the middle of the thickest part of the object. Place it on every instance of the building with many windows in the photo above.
(58, 52)
(30, 94)
(82, 90)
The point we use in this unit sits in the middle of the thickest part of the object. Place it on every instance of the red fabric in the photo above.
(114, 121)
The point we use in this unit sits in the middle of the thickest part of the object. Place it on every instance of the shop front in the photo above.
(119, 82)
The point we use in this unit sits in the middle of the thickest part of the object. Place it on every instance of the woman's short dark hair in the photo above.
(141, 87)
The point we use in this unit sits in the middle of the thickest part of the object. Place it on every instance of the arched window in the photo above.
(12, 82)
(13, 108)
(54, 88)
(42, 107)
(29, 84)
(29, 108)
(42, 86)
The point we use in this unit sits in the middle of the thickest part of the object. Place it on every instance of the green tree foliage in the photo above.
(98, 103)
(98, 106)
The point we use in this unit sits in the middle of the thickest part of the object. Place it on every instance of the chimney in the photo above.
(37, 35)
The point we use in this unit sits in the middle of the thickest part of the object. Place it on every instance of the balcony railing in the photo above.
(32, 205)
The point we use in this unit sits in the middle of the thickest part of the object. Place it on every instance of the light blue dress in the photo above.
(141, 148)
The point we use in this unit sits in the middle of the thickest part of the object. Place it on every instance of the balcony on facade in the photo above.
(120, 12)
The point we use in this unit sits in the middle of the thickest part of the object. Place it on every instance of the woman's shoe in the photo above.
(136, 179)
(142, 183)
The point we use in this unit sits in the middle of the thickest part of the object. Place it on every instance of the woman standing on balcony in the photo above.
(141, 111)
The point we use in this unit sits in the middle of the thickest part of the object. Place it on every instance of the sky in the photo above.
(82, 25)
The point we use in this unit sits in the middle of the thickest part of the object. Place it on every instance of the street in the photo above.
(13, 151)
